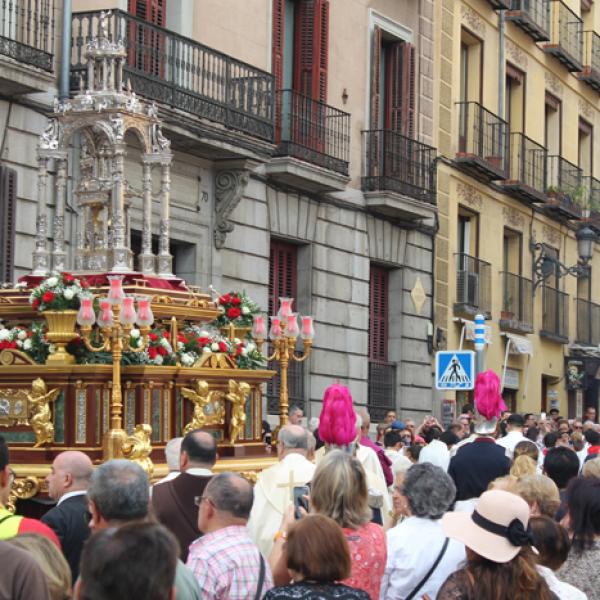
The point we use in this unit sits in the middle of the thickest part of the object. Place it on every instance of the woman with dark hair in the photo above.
(317, 557)
(583, 524)
(551, 540)
(500, 564)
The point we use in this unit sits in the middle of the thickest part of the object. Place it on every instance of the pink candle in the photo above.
(275, 332)
(292, 325)
(308, 330)
(145, 317)
(127, 316)
(86, 316)
(259, 327)
(285, 307)
(106, 316)
(115, 293)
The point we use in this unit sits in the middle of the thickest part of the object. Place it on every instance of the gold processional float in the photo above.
(115, 360)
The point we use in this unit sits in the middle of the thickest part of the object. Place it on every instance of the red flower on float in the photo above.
(223, 346)
(233, 313)
(153, 337)
(236, 301)
(152, 352)
(48, 297)
(225, 299)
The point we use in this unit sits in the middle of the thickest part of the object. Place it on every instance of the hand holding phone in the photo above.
(301, 493)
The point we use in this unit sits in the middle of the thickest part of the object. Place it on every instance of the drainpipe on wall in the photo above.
(501, 66)
(65, 56)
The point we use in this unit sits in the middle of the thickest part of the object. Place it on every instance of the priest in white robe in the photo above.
(273, 491)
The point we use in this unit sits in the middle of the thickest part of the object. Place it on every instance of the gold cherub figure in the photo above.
(202, 397)
(138, 446)
(39, 403)
(238, 393)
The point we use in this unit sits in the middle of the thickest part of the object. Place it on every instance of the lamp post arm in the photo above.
(105, 336)
(306, 352)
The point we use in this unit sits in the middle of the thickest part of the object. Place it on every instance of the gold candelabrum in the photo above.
(115, 319)
(283, 335)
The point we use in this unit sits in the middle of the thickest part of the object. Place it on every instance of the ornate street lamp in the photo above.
(546, 265)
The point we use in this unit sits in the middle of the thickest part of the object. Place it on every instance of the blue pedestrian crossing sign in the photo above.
(455, 370)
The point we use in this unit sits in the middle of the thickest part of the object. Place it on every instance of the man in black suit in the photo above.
(68, 482)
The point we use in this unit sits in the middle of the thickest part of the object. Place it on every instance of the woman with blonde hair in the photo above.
(540, 493)
(523, 465)
(52, 562)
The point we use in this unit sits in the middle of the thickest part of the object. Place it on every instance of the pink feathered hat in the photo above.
(337, 423)
(489, 403)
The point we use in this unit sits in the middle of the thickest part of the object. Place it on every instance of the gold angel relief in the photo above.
(138, 446)
(39, 400)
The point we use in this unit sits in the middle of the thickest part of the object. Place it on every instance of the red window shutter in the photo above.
(378, 314)
(400, 89)
(375, 76)
(311, 48)
(277, 43)
(8, 207)
(283, 273)
(149, 10)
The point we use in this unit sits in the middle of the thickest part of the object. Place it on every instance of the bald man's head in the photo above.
(70, 472)
(198, 450)
(366, 419)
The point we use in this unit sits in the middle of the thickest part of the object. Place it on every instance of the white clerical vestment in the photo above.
(272, 496)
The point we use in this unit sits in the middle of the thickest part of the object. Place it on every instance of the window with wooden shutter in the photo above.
(147, 46)
(311, 48)
(382, 374)
(283, 283)
(8, 207)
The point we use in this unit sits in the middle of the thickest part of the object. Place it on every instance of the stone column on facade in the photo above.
(82, 239)
(120, 252)
(146, 259)
(41, 258)
(165, 260)
(58, 234)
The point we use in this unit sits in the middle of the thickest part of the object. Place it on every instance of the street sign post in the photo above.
(455, 370)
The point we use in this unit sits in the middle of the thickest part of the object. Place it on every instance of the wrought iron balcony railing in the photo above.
(591, 206)
(500, 4)
(531, 16)
(566, 39)
(555, 319)
(473, 284)
(27, 32)
(565, 192)
(517, 303)
(591, 60)
(397, 163)
(482, 143)
(382, 389)
(312, 131)
(588, 323)
(183, 74)
(527, 169)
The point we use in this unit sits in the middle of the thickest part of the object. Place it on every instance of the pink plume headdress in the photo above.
(337, 423)
(488, 401)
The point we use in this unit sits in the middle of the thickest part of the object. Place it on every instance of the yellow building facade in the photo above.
(517, 120)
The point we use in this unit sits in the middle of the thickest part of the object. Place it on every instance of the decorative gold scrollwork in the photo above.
(22, 489)
(138, 446)
(208, 406)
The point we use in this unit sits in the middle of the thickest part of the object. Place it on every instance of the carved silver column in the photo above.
(120, 252)
(146, 259)
(58, 249)
(229, 190)
(41, 257)
(165, 260)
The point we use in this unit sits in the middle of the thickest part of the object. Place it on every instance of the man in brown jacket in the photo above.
(173, 501)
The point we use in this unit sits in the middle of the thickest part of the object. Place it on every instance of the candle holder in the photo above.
(115, 320)
(283, 335)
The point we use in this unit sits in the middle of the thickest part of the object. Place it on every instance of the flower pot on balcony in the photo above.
(507, 315)
(61, 330)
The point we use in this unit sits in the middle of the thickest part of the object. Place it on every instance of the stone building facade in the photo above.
(299, 166)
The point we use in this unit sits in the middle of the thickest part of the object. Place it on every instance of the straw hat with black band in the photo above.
(497, 529)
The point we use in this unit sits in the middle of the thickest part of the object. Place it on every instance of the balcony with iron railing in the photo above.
(473, 286)
(312, 131)
(382, 389)
(591, 206)
(527, 163)
(27, 43)
(588, 323)
(532, 16)
(398, 164)
(482, 144)
(517, 303)
(555, 315)
(180, 73)
(566, 36)
(565, 193)
(590, 73)
(500, 4)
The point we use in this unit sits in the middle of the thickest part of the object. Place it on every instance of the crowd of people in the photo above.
(494, 506)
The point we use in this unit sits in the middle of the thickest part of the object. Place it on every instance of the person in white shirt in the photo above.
(514, 426)
(393, 444)
(552, 542)
(414, 544)
(172, 452)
